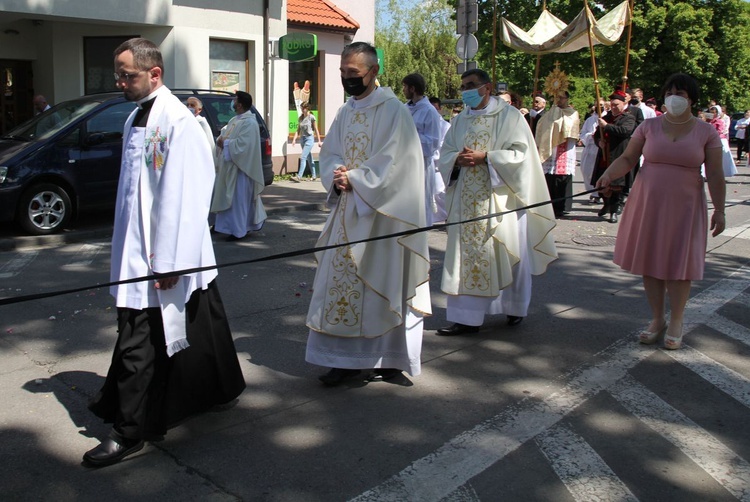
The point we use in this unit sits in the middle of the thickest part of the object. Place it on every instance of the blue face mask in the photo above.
(471, 98)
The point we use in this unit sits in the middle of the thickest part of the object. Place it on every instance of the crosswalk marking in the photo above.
(583, 472)
(725, 379)
(470, 453)
(726, 467)
(15, 265)
(465, 493)
(84, 257)
(730, 328)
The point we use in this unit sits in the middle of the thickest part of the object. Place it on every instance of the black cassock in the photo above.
(146, 392)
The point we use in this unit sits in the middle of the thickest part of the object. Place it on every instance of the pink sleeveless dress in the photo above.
(664, 225)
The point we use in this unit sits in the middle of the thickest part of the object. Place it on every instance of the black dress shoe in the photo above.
(602, 211)
(457, 329)
(514, 320)
(384, 374)
(613, 218)
(110, 451)
(337, 376)
(232, 238)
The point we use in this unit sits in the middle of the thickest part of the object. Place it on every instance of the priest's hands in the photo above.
(166, 282)
(341, 179)
(470, 158)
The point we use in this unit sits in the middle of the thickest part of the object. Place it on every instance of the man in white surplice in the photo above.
(239, 177)
(174, 355)
(490, 162)
(556, 137)
(369, 299)
(428, 123)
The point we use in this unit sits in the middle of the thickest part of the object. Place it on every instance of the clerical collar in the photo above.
(364, 102)
(491, 105)
(144, 107)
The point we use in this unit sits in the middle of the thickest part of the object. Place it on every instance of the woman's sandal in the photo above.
(673, 342)
(649, 337)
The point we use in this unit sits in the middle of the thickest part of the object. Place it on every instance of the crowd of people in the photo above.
(388, 168)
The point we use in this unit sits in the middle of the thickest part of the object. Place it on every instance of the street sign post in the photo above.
(467, 46)
(467, 17)
(465, 66)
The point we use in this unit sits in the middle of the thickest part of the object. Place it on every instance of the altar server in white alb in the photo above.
(490, 162)
(174, 355)
(428, 123)
(239, 177)
(369, 299)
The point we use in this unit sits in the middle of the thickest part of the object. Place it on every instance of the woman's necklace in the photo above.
(666, 117)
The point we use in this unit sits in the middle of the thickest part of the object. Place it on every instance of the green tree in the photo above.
(709, 39)
(418, 38)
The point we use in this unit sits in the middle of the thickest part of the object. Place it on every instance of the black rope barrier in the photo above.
(290, 254)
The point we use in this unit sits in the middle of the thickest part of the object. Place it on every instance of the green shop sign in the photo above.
(298, 46)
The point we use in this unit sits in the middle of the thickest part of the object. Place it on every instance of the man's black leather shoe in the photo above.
(110, 452)
(457, 329)
(384, 374)
(514, 320)
(337, 375)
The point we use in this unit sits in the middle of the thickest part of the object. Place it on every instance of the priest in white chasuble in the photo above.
(174, 354)
(369, 299)
(239, 177)
(490, 163)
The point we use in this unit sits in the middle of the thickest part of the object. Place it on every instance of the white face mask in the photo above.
(676, 105)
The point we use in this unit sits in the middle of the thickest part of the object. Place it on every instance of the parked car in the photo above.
(66, 161)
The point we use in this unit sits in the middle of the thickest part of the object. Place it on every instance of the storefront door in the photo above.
(16, 89)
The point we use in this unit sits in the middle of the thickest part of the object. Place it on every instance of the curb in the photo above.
(75, 236)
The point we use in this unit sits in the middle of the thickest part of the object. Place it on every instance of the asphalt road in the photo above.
(565, 406)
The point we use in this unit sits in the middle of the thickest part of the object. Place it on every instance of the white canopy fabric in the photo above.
(549, 34)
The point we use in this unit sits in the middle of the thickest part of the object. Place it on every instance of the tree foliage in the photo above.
(709, 39)
(418, 39)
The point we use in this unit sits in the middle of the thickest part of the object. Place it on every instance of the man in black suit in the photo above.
(536, 112)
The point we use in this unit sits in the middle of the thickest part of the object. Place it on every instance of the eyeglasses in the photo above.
(127, 76)
(472, 85)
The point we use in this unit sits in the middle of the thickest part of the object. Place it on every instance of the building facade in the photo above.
(64, 49)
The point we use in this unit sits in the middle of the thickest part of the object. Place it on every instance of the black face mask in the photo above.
(354, 86)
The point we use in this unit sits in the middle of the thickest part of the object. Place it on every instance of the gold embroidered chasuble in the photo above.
(363, 290)
(480, 255)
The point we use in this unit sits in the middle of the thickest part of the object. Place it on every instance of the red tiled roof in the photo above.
(319, 13)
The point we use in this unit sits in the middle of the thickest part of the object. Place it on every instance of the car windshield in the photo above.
(49, 122)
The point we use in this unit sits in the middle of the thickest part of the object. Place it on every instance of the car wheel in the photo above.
(44, 209)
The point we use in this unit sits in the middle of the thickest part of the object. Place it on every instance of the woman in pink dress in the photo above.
(663, 230)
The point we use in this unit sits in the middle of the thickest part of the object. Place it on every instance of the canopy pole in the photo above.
(494, 44)
(538, 60)
(631, 6)
(593, 63)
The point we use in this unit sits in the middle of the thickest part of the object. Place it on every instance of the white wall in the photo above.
(363, 11)
(183, 33)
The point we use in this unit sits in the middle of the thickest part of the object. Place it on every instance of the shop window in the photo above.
(229, 66)
(97, 62)
(304, 82)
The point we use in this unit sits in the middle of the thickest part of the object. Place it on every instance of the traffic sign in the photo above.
(465, 66)
(466, 46)
(467, 17)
